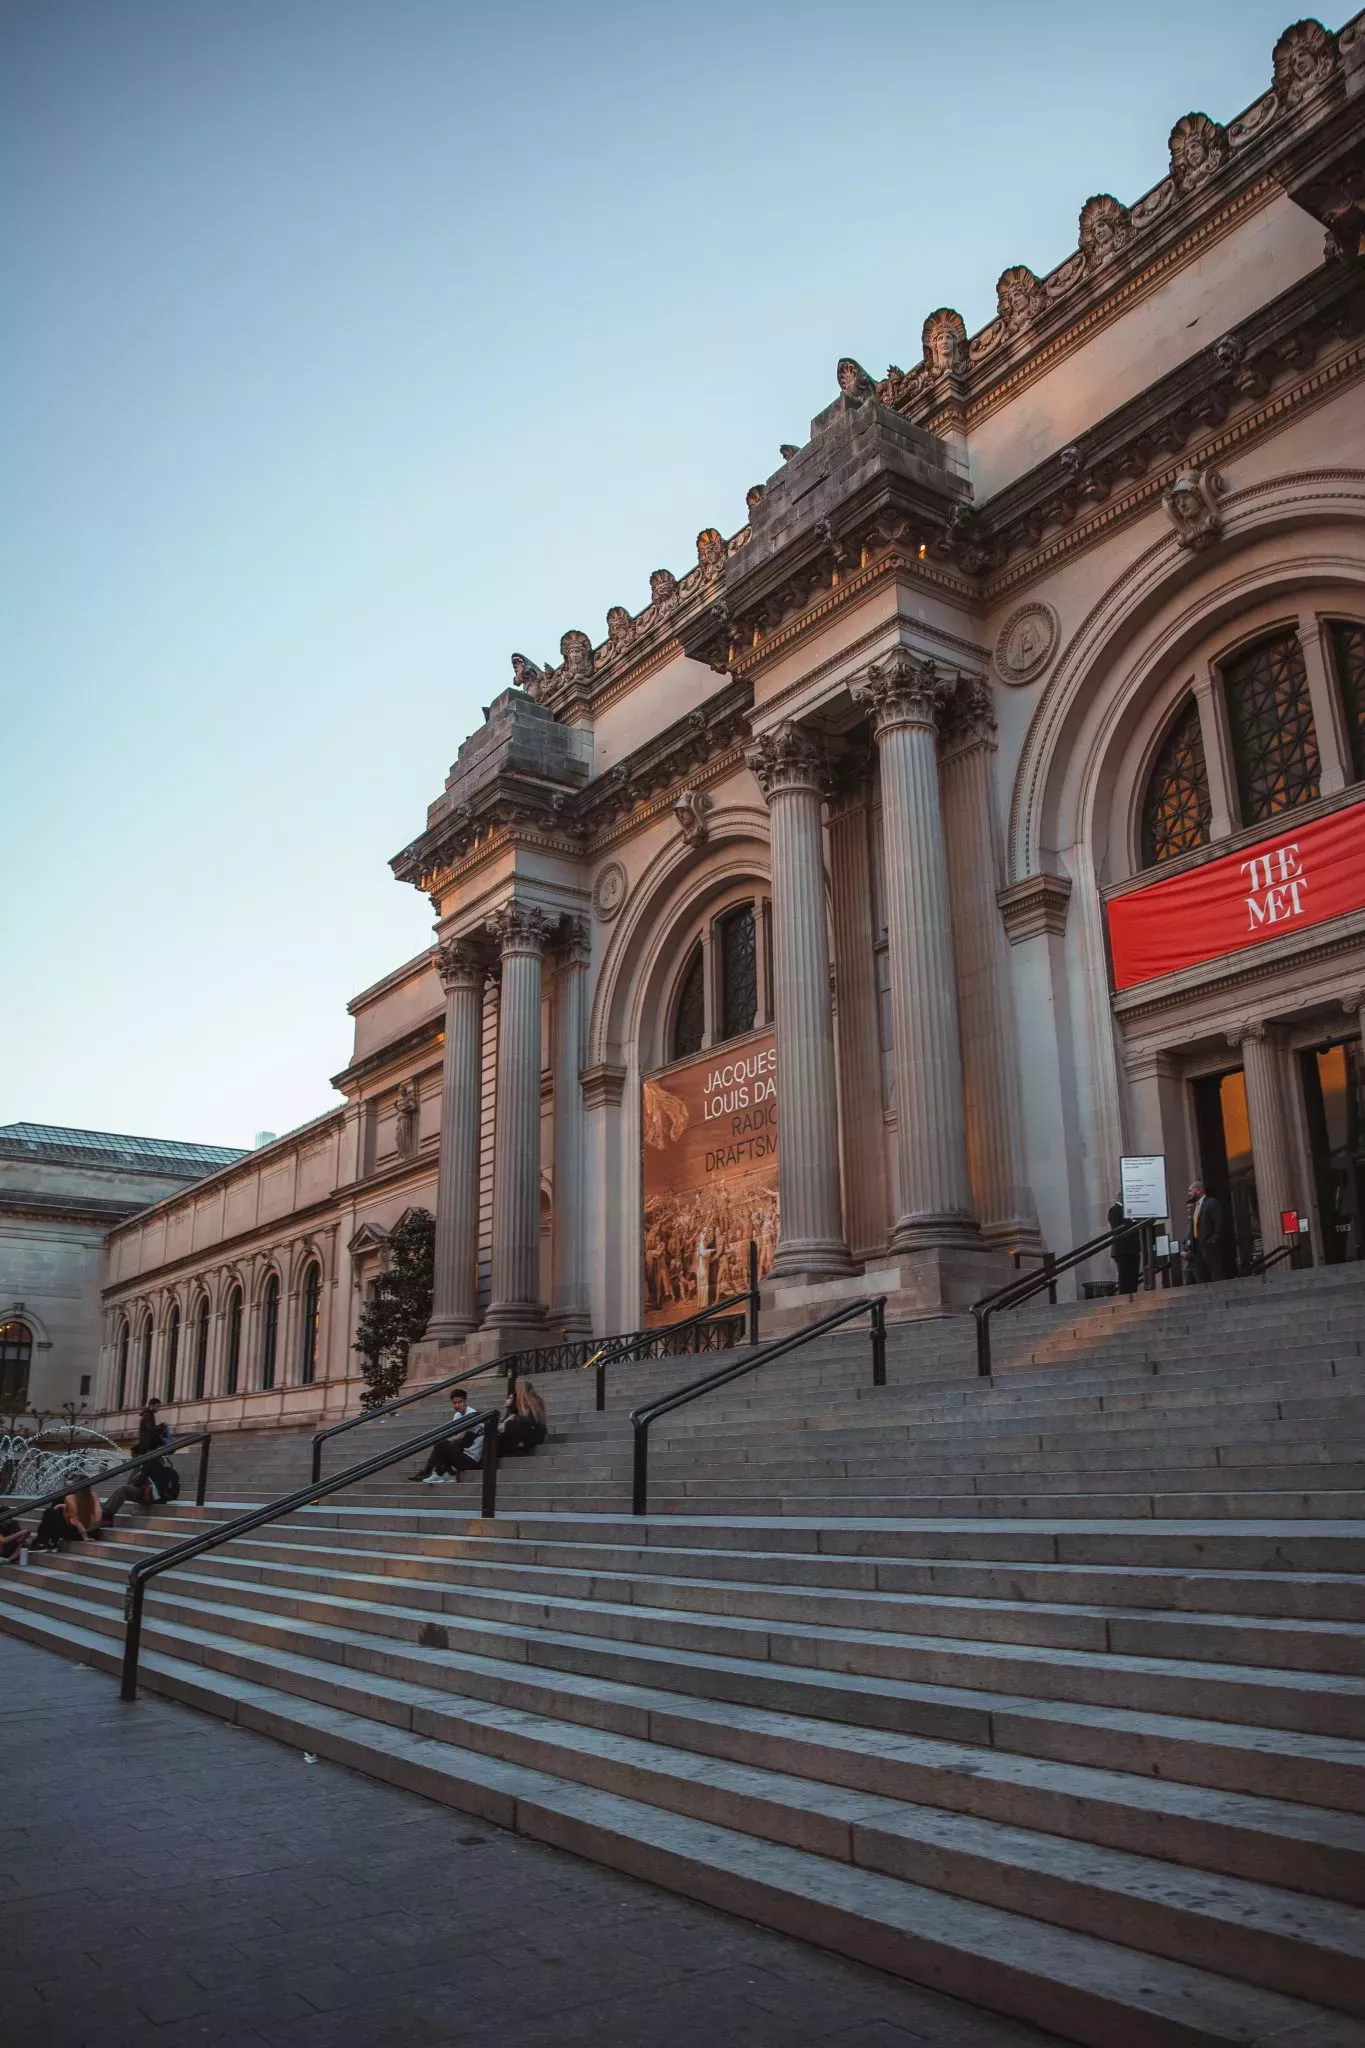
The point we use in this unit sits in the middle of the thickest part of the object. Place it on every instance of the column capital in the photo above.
(787, 757)
(575, 942)
(1353, 1000)
(519, 928)
(1251, 1030)
(460, 965)
(903, 689)
(968, 716)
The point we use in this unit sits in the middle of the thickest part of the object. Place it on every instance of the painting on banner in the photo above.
(709, 1139)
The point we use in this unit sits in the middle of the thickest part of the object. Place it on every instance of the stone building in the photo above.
(60, 1191)
(990, 805)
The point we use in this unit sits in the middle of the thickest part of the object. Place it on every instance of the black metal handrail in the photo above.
(649, 1412)
(508, 1363)
(273, 1511)
(663, 1342)
(1015, 1292)
(1263, 1261)
(185, 1443)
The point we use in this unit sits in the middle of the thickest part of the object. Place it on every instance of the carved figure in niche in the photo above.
(853, 379)
(576, 649)
(710, 552)
(620, 628)
(754, 497)
(945, 343)
(1191, 505)
(1019, 298)
(1304, 57)
(1199, 149)
(405, 1121)
(1106, 229)
(527, 676)
(663, 589)
(693, 812)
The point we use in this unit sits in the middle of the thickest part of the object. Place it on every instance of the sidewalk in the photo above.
(168, 1879)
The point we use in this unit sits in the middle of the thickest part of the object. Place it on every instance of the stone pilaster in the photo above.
(905, 695)
(454, 1309)
(990, 1066)
(1269, 1131)
(520, 934)
(570, 1308)
(789, 768)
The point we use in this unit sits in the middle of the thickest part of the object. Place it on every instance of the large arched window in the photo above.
(723, 981)
(172, 1350)
(689, 1019)
(144, 1373)
(232, 1378)
(1348, 657)
(201, 1347)
(121, 1377)
(1175, 813)
(738, 1004)
(270, 1331)
(308, 1334)
(1270, 721)
(16, 1356)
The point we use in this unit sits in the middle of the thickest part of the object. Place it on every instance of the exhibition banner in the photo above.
(709, 1131)
(1299, 876)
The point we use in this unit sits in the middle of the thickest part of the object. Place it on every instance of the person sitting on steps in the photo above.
(76, 1519)
(523, 1427)
(454, 1454)
(136, 1491)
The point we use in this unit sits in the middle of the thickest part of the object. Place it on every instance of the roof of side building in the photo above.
(60, 1144)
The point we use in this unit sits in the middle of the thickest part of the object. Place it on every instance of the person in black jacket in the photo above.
(1127, 1249)
(153, 1435)
(1205, 1245)
(523, 1426)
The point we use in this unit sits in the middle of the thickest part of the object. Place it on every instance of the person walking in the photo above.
(153, 1435)
(1205, 1241)
(1127, 1250)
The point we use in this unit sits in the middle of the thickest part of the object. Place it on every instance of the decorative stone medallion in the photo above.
(1027, 643)
(609, 892)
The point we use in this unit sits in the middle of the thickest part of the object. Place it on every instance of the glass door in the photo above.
(1226, 1166)
(1334, 1097)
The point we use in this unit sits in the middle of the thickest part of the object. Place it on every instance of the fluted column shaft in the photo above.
(520, 935)
(990, 1067)
(905, 696)
(454, 1307)
(789, 768)
(1269, 1130)
(570, 1211)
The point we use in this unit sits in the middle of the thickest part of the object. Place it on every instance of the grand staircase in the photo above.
(1047, 1691)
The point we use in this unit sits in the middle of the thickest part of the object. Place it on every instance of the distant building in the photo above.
(61, 1191)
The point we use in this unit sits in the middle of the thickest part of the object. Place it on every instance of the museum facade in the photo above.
(989, 806)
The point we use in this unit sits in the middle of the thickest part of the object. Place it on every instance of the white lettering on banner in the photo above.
(728, 1088)
(1276, 882)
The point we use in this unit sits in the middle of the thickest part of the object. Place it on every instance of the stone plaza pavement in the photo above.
(168, 1878)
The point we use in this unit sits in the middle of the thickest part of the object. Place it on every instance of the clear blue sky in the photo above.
(353, 344)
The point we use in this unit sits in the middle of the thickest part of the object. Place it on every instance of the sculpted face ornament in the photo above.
(1019, 298)
(945, 343)
(710, 552)
(527, 676)
(1191, 505)
(1305, 58)
(620, 628)
(576, 651)
(1106, 228)
(693, 812)
(663, 589)
(1199, 149)
(853, 380)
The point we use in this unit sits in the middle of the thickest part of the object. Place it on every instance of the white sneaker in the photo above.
(432, 1479)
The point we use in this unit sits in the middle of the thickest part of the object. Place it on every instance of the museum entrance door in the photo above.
(1226, 1167)
(1334, 1098)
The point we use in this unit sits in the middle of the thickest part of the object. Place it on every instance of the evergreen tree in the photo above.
(397, 1312)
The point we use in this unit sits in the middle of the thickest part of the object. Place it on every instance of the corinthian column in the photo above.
(570, 1213)
(520, 935)
(454, 1310)
(990, 1067)
(1269, 1135)
(905, 695)
(789, 768)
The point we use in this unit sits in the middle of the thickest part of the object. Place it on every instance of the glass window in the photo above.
(312, 1304)
(234, 1340)
(201, 1348)
(121, 1384)
(738, 972)
(1348, 649)
(144, 1378)
(270, 1332)
(16, 1356)
(172, 1351)
(1270, 718)
(689, 1021)
(1176, 810)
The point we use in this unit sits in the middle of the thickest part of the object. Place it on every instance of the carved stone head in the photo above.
(620, 628)
(576, 649)
(1019, 298)
(663, 589)
(1106, 228)
(1191, 505)
(853, 379)
(1305, 57)
(754, 496)
(527, 676)
(945, 342)
(710, 551)
(1199, 149)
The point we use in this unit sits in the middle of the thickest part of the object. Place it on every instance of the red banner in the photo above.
(1302, 876)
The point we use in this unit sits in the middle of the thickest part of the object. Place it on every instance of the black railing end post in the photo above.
(489, 1503)
(601, 1376)
(879, 1343)
(983, 1342)
(201, 1491)
(317, 1459)
(132, 1636)
(639, 1493)
(1050, 1268)
(753, 1290)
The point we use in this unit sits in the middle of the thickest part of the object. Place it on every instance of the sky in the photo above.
(352, 344)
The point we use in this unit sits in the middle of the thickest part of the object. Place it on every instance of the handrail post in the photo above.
(202, 1489)
(878, 1344)
(983, 1342)
(600, 1375)
(132, 1636)
(488, 1506)
(753, 1290)
(317, 1459)
(639, 1490)
(1050, 1268)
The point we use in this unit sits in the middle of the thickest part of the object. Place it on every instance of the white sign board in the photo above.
(1142, 1181)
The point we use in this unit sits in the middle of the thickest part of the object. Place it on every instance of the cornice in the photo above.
(100, 1210)
(1344, 937)
(1036, 905)
(646, 812)
(391, 1055)
(907, 565)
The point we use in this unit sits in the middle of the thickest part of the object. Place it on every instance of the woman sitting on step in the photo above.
(522, 1428)
(73, 1520)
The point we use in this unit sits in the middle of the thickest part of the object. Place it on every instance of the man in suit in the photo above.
(1205, 1213)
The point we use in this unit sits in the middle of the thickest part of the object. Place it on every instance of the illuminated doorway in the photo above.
(1334, 1097)
(1226, 1166)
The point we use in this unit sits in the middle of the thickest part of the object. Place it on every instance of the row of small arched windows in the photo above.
(1272, 739)
(195, 1383)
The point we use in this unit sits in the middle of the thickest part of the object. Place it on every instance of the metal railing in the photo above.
(711, 1329)
(508, 1363)
(1015, 1292)
(642, 1417)
(1263, 1261)
(186, 1443)
(273, 1511)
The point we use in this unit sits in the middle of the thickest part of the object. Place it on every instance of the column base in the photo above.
(938, 1280)
(811, 1259)
(923, 1233)
(513, 1328)
(449, 1329)
(574, 1323)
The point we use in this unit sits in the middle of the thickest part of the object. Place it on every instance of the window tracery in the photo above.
(1348, 651)
(1270, 720)
(1177, 808)
(739, 972)
(689, 1020)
